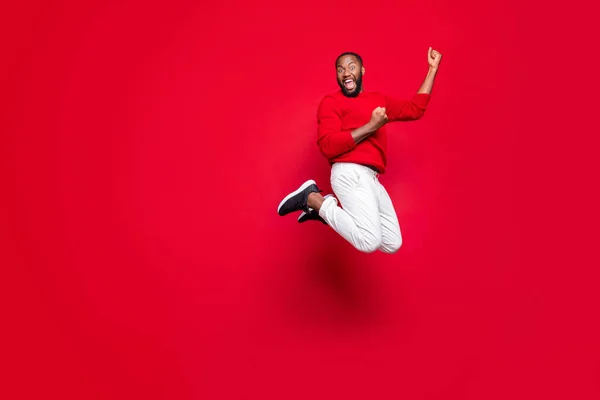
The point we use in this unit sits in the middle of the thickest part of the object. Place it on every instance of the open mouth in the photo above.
(349, 84)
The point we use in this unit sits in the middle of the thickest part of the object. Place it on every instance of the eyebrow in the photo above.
(350, 63)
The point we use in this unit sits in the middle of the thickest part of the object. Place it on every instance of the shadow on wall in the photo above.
(336, 286)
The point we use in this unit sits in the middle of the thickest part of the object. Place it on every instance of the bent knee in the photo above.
(370, 245)
(392, 246)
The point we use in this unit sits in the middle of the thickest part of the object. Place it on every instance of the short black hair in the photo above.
(349, 53)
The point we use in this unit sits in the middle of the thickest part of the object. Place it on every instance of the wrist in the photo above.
(433, 69)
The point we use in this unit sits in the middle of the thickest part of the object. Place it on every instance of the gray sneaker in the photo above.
(297, 200)
(312, 215)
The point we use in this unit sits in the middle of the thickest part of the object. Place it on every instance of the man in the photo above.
(352, 136)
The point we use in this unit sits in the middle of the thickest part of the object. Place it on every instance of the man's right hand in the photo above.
(378, 118)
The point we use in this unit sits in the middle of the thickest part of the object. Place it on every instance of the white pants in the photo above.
(368, 219)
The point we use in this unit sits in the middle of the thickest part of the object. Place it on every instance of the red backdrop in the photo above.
(146, 148)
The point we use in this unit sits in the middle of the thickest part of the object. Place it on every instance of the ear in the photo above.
(363, 70)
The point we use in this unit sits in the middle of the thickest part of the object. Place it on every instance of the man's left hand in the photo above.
(434, 57)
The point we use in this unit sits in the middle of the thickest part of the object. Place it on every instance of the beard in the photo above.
(356, 90)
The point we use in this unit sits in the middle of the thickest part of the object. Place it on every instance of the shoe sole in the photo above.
(300, 189)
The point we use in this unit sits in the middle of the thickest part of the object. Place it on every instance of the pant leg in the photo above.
(359, 221)
(390, 227)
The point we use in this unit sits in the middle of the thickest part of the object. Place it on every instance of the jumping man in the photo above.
(352, 136)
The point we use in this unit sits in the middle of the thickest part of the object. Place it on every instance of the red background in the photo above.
(145, 149)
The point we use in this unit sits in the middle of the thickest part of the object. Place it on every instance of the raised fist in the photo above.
(434, 57)
(379, 117)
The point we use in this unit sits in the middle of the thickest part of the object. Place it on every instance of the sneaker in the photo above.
(297, 200)
(312, 215)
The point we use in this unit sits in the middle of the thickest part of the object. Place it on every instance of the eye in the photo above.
(340, 70)
(352, 68)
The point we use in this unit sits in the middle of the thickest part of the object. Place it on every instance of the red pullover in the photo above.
(339, 115)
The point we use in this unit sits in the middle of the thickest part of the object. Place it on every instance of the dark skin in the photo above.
(349, 70)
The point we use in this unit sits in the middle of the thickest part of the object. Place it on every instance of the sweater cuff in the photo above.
(349, 142)
(421, 99)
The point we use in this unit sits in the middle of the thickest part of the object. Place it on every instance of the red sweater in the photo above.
(339, 115)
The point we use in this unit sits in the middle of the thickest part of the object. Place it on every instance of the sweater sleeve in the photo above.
(406, 110)
(332, 140)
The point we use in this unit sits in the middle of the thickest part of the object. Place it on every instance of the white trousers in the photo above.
(368, 219)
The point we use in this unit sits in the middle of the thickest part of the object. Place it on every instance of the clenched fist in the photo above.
(379, 118)
(434, 57)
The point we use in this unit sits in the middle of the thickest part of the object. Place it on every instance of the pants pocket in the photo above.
(344, 179)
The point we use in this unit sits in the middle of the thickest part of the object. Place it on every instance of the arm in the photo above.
(410, 110)
(433, 57)
(332, 140)
(427, 85)
(406, 110)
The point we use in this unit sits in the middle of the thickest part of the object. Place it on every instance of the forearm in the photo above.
(363, 132)
(427, 85)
